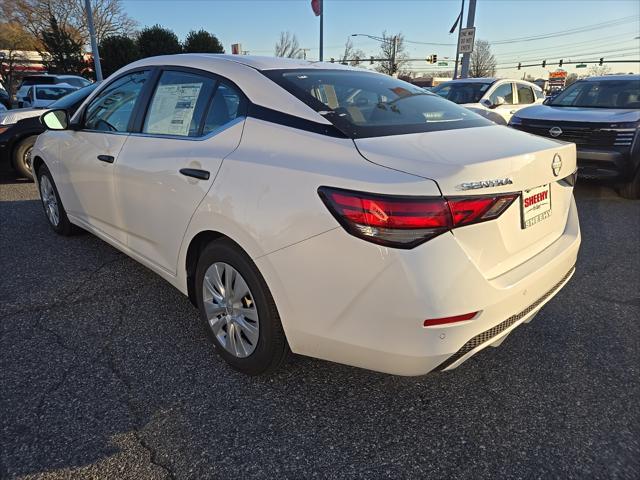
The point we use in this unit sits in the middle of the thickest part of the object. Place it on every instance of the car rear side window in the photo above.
(179, 104)
(525, 94)
(111, 110)
(227, 105)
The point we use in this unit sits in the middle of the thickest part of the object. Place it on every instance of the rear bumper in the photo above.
(345, 300)
(608, 164)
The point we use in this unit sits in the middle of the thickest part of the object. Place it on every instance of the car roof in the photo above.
(253, 61)
(611, 77)
(476, 80)
(54, 85)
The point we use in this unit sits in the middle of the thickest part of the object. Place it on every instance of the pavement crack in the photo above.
(138, 420)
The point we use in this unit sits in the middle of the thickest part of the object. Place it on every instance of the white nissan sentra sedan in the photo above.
(327, 210)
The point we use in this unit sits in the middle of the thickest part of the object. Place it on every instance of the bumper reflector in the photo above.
(441, 321)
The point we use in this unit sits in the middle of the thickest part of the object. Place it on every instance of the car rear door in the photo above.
(193, 121)
(89, 153)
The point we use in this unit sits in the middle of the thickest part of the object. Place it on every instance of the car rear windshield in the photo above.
(600, 94)
(366, 104)
(43, 80)
(462, 92)
(52, 92)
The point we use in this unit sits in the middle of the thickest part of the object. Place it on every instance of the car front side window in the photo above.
(505, 91)
(112, 109)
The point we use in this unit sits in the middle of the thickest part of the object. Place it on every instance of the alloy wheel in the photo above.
(49, 200)
(230, 309)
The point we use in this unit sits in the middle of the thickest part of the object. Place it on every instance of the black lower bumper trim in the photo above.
(501, 327)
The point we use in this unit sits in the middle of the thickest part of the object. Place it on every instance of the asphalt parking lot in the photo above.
(105, 372)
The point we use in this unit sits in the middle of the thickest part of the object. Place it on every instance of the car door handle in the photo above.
(106, 158)
(195, 173)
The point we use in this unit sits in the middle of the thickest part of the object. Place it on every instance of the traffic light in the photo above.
(357, 62)
(333, 59)
(434, 57)
(371, 60)
(601, 60)
(544, 63)
(560, 63)
(519, 66)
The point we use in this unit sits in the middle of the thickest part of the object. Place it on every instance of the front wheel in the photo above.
(22, 157)
(53, 209)
(238, 311)
(631, 189)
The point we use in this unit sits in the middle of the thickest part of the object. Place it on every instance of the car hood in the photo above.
(12, 116)
(578, 114)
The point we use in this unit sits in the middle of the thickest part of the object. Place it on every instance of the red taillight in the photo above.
(443, 321)
(404, 222)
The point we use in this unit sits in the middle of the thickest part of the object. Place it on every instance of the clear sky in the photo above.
(256, 24)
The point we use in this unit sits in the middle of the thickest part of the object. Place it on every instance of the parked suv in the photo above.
(502, 96)
(601, 115)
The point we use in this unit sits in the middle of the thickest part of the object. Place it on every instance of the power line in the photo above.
(573, 31)
(595, 41)
(574, 54)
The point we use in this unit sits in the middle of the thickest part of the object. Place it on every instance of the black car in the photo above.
(20, 128)
(601, 115)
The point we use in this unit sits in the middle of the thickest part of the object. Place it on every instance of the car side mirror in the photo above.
(485, 102)
(55, 119)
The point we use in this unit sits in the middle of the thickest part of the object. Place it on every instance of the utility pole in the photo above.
(455, 69)
(94, 42)
(321, 28)
(394, 47)
(471, 17)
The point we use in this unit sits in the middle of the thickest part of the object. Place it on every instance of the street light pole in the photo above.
(94, 42)
(321, 29)
(393, 42)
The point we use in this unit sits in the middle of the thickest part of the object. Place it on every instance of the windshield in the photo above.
(600, 94)
(365, 104)
(52, 93)
(462, 92)
(72, 101)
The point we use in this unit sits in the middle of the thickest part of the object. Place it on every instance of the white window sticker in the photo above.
(172, 109)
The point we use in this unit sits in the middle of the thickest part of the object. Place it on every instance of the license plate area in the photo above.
(535, 205)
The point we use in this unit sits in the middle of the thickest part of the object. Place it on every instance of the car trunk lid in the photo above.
(483, 161)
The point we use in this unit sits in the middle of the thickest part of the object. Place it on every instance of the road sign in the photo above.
(466, 40)
(581, 65)
(443, 64)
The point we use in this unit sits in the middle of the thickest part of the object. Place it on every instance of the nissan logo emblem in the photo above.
(556, 164)
(555, 131)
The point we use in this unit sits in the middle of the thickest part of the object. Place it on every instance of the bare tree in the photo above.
(598, 70)
(288, 46)
(483, 63)
(109, 17)
(387, 48)
(571, 78)
(351, 55)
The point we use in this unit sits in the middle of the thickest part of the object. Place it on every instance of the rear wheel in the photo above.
(238, 311)
(631, 189)
(22, 157)
(53, 209)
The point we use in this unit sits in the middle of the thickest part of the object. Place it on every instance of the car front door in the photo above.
(89, 154)
(164, 171)
(505, 92)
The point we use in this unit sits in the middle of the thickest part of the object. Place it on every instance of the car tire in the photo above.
(22, 157)
(631, 190)
(53, 208)
(232, 327)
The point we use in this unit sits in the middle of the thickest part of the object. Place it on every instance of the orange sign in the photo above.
(558, 74)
